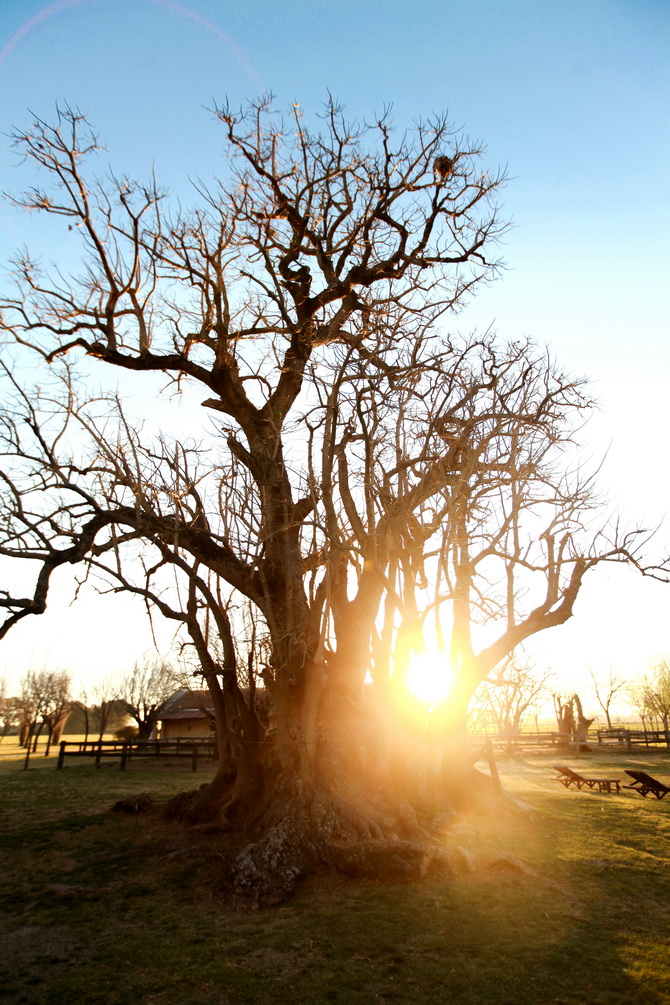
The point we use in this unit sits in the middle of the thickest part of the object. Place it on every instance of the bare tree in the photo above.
(606, 689)
(490, 519)
(145, 690)
(57, 707)
(570, 718)
(656, 690)
(639, 696)
(449, 503)
(353, 453)
(44, 701)
(9, 710)
(511, 692)
(31, 701)
(107, 707)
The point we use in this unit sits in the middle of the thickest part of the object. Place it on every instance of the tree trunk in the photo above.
(59, 727)
(145, 727)
(333, 805)
(581, 724)
(37, 736)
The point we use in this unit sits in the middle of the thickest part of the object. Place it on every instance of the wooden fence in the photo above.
(629, 738)
(127, 750)
(527, 739)
(618, 738)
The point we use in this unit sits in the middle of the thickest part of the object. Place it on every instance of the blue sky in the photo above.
(572, 96)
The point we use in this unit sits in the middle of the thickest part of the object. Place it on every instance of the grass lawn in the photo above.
(97, 907)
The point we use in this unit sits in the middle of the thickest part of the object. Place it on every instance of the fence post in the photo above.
(124, 755)
(98, 754)
(194, 758)
(61, 755)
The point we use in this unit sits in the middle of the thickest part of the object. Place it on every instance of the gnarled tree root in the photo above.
(291, 830)
(393, 859)
(265, 872)
(340, 835)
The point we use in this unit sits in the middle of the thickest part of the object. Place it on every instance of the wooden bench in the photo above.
(644, 784)
(568, 777)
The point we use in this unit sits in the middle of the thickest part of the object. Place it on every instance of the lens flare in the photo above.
(430, 677)
(60, 6)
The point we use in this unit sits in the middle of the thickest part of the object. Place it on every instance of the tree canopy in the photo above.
(361, 483)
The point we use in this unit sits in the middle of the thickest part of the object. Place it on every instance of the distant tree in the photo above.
(145, 691)
(30, 705)
(83, 704)
(107, 704)
(657, 691)
(44, 701)
(572, 722)
(24, 711)
(606, 688)
(57, 707)
(512, 690)
(9, 710)
(638, 695)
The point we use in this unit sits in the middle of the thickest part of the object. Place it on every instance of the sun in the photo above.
(430, 677)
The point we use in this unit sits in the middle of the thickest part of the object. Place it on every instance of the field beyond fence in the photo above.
(568, 900)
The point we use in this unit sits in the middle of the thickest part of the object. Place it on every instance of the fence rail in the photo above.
(634, 737)
(619, 738)
(529, 739)
(127, 750)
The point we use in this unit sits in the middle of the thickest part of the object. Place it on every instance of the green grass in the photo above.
(586, 922)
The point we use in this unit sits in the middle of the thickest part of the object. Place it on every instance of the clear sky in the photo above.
(573, 96)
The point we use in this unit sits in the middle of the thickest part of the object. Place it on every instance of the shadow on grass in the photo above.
(99, 908)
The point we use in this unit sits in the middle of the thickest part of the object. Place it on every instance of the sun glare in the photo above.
(430, 677)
